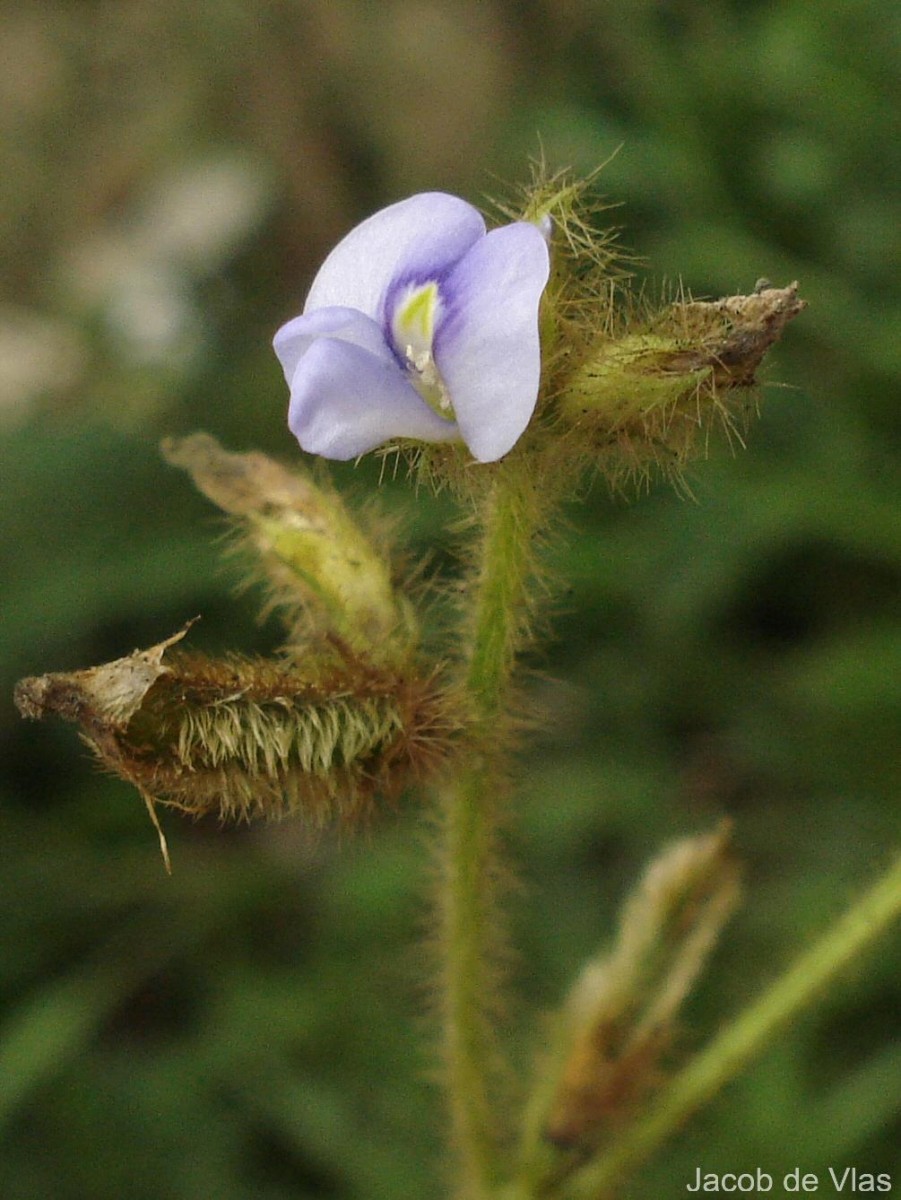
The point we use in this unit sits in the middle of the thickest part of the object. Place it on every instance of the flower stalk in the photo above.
(471, 934)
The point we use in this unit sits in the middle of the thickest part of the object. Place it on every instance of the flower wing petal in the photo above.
(415, 238)
(487, 345)
(294, 339)
(346, 401)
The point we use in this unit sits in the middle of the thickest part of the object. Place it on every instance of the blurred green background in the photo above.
(171, 176)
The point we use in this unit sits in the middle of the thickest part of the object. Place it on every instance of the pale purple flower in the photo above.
(419, 324)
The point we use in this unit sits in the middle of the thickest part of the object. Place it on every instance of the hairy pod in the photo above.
(245, 738)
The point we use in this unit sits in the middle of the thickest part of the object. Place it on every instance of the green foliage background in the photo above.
(172, 174)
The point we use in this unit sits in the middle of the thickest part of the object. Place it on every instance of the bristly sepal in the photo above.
(648, 392)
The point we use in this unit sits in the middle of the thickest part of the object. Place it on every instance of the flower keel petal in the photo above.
(294, 339)
(346, 401)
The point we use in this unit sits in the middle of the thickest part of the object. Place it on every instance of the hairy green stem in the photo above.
(469, 942)
(501, 601)
(871, 915)
(471, 937)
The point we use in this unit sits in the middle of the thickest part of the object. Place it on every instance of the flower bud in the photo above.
(318, 561)
(617, 1021)
(649, 398)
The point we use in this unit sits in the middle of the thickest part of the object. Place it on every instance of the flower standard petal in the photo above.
(415, 238)
(487, 344)
(346, 400)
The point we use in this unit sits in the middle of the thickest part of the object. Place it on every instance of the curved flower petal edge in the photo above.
(420, 324)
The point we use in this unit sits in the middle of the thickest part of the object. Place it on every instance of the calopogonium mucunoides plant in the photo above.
(510, 366)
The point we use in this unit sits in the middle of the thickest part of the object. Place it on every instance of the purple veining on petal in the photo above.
(394, 295)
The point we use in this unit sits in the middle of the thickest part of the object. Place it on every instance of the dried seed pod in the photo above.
(245, 738)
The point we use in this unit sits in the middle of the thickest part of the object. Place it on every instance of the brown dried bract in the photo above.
(242, 484)
(102, 700)
(748, 326)
(99, 698)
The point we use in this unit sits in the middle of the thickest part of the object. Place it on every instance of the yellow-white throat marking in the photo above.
(413, 327)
